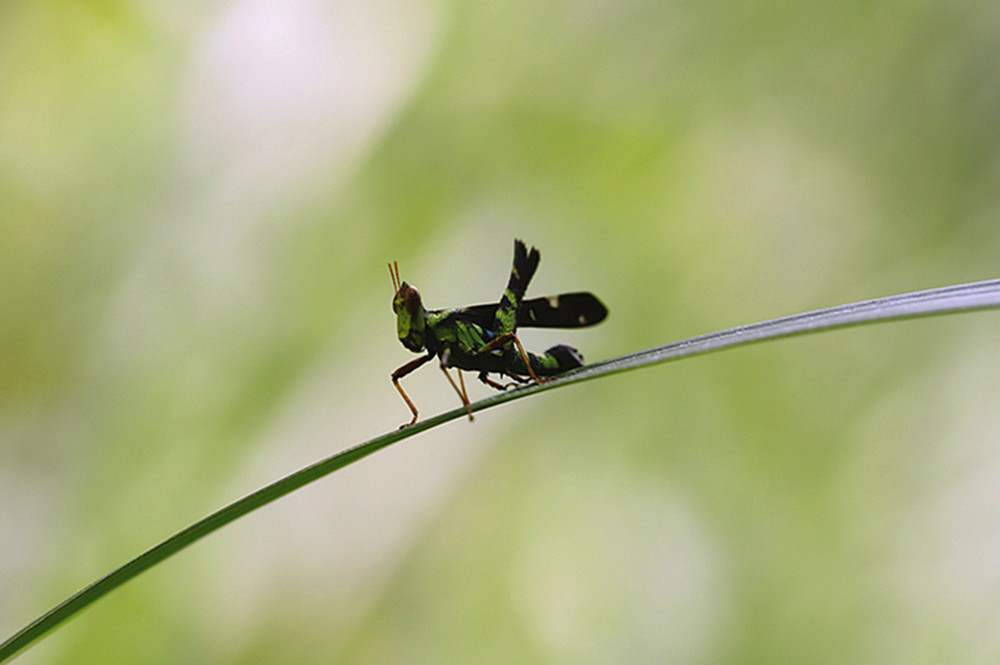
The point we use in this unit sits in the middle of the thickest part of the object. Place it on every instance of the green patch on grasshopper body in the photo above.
(482, 338)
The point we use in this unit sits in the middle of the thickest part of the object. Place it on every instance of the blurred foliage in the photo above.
(197, 201)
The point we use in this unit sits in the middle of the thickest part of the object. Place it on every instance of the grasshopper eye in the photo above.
(411, 298)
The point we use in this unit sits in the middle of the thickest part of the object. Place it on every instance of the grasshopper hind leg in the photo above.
(503, 386)
(483, 376)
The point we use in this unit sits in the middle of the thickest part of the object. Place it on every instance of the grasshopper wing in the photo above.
(568, 310)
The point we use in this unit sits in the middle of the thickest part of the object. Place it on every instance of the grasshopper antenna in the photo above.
(394, 275)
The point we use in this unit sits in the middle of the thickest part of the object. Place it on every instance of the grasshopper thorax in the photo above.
(411, 318)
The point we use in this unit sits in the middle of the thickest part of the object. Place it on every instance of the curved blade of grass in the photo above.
(964, 297)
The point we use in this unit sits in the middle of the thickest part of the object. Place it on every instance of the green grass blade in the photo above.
(965, 297)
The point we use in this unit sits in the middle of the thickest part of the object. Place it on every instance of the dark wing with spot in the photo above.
(568, 310)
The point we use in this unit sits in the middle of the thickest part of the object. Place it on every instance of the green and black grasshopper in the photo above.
(482, 338)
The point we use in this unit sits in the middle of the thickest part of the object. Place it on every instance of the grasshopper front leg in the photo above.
(399, 374)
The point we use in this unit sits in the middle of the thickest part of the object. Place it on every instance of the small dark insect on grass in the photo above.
(483, 338)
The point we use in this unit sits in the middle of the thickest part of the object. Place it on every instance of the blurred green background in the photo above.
(197, 202)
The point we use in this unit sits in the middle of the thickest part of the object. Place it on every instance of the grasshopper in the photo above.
(483, 338)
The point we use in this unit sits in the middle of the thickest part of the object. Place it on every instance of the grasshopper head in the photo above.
(410, 313)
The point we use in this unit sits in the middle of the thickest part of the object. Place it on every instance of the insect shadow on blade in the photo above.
(483, 338)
